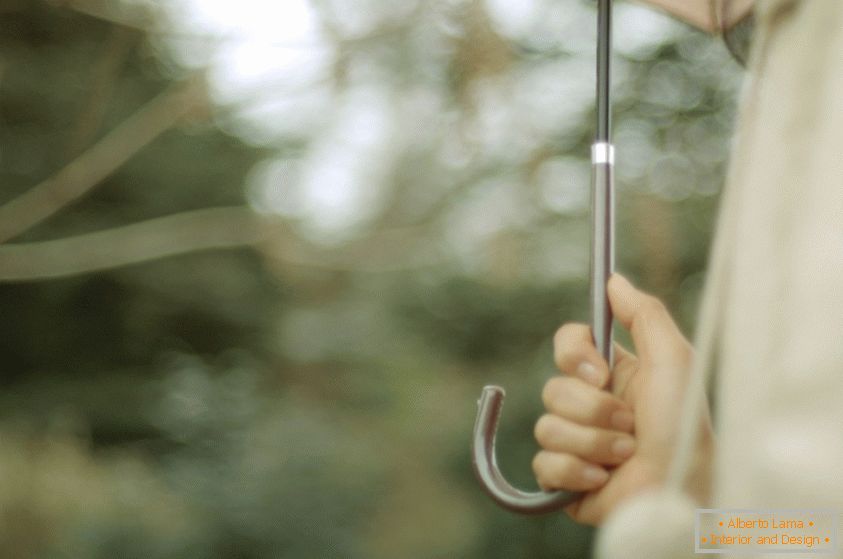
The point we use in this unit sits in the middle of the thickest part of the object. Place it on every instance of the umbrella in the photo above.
(715, 16)
(602, 264)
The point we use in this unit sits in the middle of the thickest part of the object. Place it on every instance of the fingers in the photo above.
(599, 446)
(575, 400)
(656, 337)
(575, 354)
(586, 429)
(625, 366)
(565, 471)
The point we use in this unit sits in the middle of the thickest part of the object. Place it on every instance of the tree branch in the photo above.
(102, 80)
(135, 17)
(157, 238)
(100, 160)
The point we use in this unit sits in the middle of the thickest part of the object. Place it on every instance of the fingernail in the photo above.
(623, 447)
(589, 373)
(623, 420)
(593, 474)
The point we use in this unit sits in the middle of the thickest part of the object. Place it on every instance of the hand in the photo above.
(613, 443)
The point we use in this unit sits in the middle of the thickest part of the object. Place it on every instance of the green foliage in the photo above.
(317, 401)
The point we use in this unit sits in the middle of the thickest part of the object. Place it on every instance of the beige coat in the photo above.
(771, 322)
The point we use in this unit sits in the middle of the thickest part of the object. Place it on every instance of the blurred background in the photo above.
(260, 257)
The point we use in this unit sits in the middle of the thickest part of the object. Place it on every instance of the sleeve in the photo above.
(779, 390)
(652, 525)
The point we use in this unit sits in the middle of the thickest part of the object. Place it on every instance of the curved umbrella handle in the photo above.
(491, 400)
(486, 467)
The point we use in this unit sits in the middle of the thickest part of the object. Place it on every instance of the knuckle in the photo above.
(568, 333)
(560, 357)
(538, 462)
(543, 429)
(552, 391)
(539, 467)
(563, 332)
(557, 391)
(572, 342)
(552, 471)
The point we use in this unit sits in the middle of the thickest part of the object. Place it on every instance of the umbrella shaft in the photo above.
(602, 191)
(602, 245)
(604, 49)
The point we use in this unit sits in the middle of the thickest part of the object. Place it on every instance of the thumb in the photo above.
(656, 337)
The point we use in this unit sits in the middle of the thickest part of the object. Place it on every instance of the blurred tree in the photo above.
(312, 394)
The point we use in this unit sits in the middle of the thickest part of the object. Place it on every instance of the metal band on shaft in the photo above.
(603, 152)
